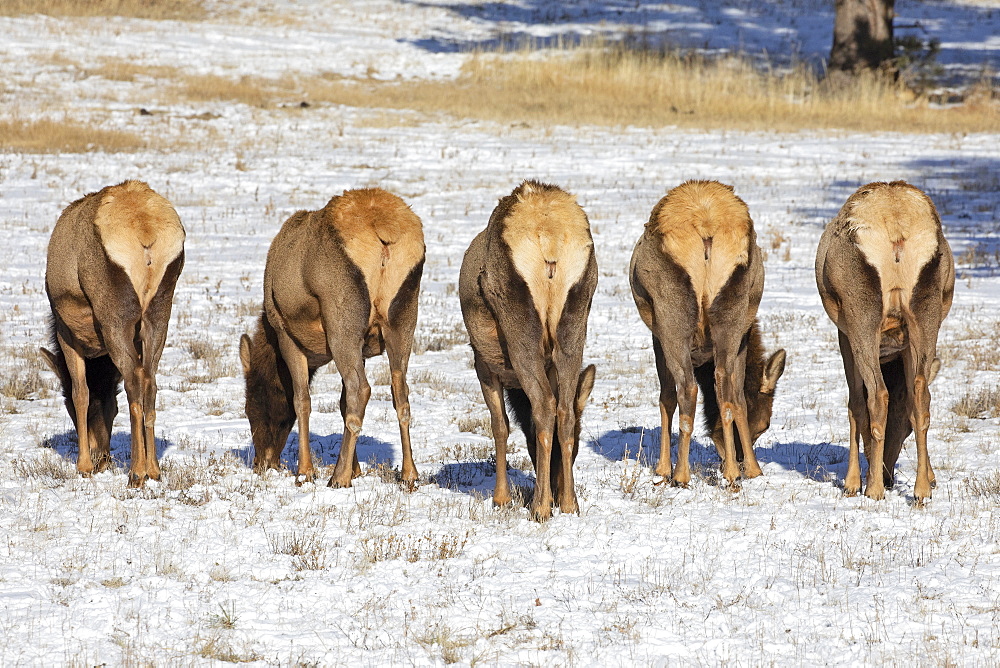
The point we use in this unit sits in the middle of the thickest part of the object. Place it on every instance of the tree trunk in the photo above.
(862, 37)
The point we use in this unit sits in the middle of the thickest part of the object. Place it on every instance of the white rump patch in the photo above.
(897, 233)
(549, 239)
(141, 233)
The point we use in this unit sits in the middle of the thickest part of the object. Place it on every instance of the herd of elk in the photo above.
(341, 284)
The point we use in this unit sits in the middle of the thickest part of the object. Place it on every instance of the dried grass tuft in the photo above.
(184, 10)
(978, 403)
(62, 136)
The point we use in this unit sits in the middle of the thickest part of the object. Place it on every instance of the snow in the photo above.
(216, 563)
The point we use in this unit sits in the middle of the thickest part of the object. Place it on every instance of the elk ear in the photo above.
(245, 353)
(61, 371)
(50, 359)
(584, 388)
(773, 369)
(935, 367)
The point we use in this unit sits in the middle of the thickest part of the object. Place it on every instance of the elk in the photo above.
(113, 261)
(525, 287)
(697, 277)
(886, 277)
(340, 284)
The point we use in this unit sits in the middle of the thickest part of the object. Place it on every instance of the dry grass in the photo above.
(605, 85)
(477, 424)
(185, 10)
(464, 452)
(252, 91)
(985, 485)
(978, 403)
(391, 546)
(306, 549)
(62, 136)
(46, 465)
(23, 381)
(617, 86)
(120, 69)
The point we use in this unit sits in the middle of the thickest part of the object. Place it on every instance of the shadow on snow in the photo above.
(66, 446)
(477, 478)
(822, 462)
(326, 450)
(782, 31)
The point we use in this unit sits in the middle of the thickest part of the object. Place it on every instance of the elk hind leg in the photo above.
(543, 415)
(123, 352)
(500, 423)
(355, 464)
(675, 350)
(77, 367)
(918, 372)
(736, 378)
(566, 380)
(857, 413)
(353, 400)
(398, 350)
(135, 390)
(729, 412)
(298, 368)
(153, 337)
(668, 404)
(866, 364)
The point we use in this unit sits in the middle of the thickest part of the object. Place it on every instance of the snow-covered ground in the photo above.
(215, 563)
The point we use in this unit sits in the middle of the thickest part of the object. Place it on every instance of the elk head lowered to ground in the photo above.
(525, 286)
(113, 261)
(697, 277)
(887, 277)
(340, 284)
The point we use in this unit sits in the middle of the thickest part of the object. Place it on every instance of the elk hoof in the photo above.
(135, 481)
(410, 476)
(662, 470)
(570, 506)
(541, 514)
(875, 492)
(338, 484)
(677, 482)
(752, 470)
(852, 485)
(501, 500)
(263, 466)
